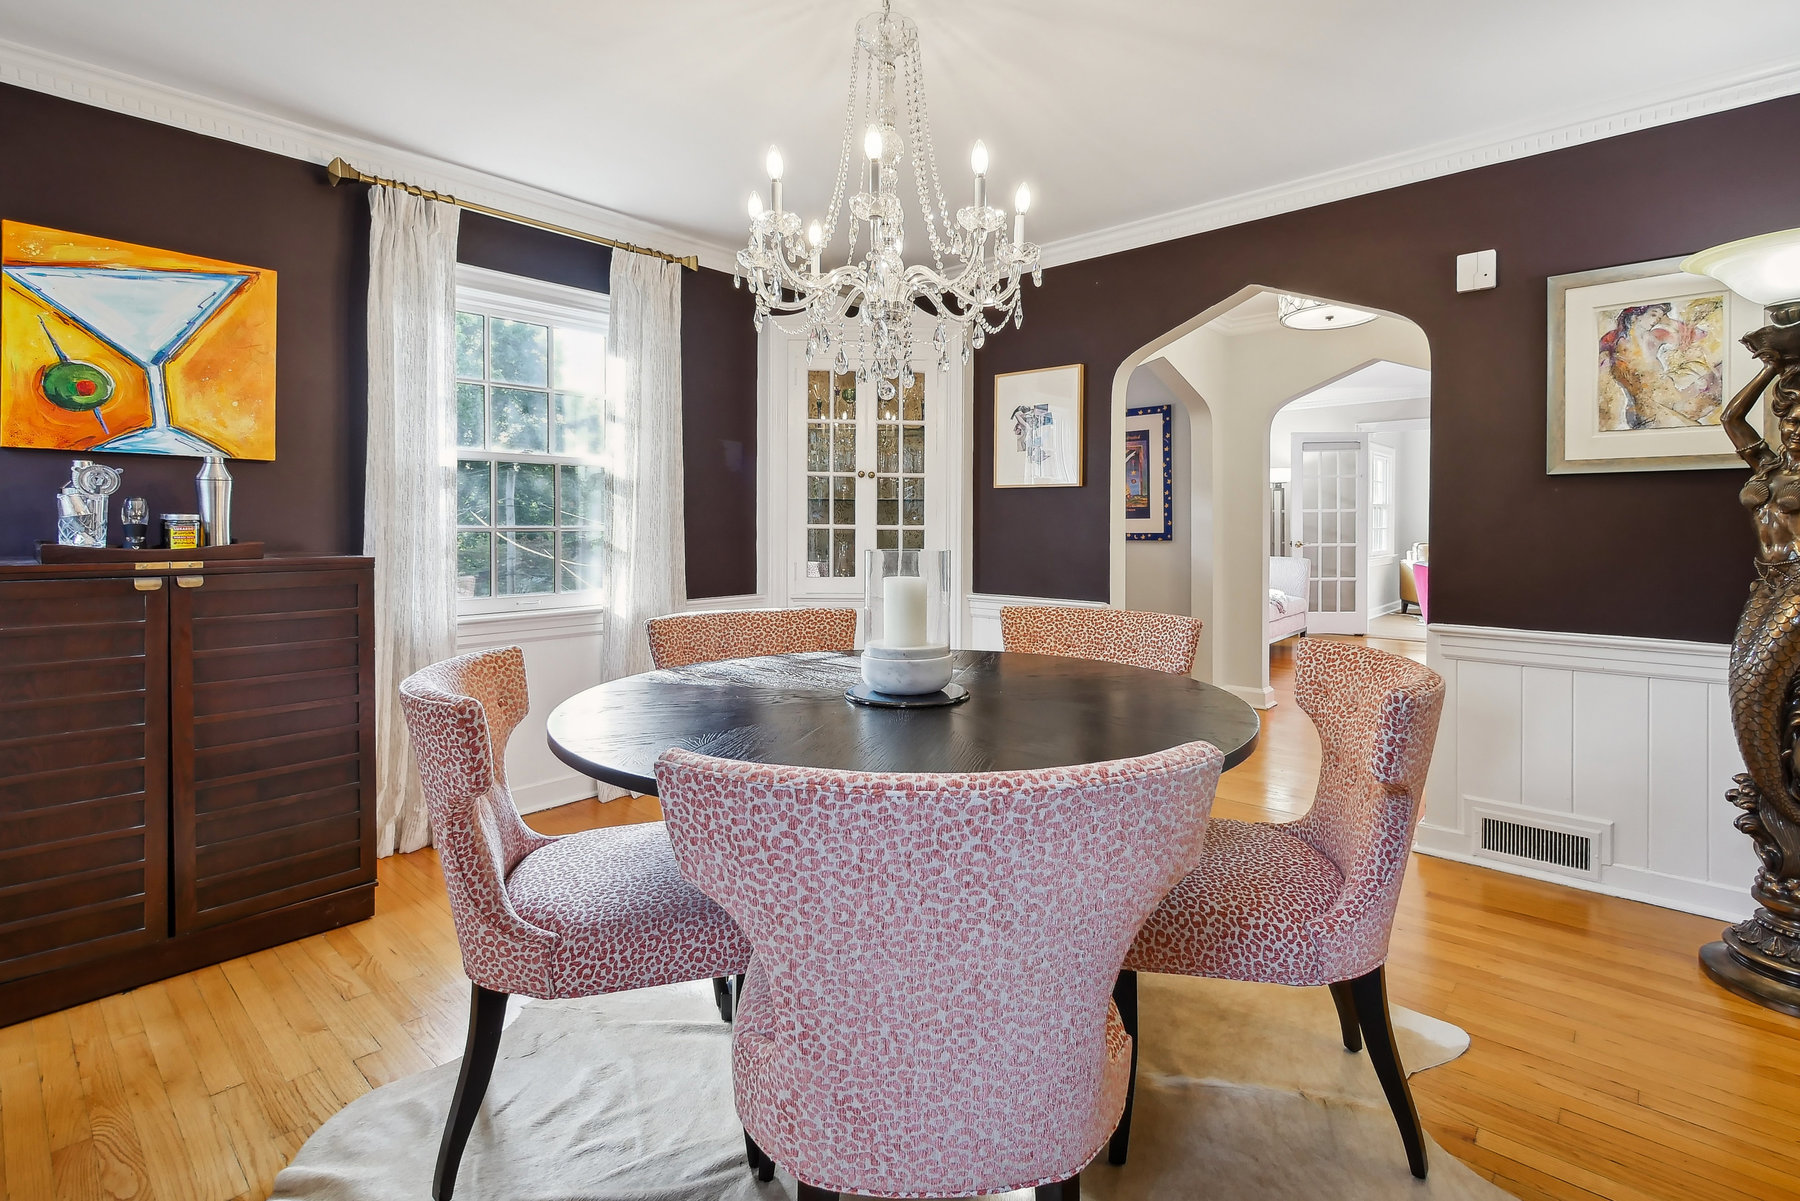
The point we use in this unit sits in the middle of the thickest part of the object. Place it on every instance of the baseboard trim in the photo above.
(1256, 698)
(1700, 898)
(548, 794)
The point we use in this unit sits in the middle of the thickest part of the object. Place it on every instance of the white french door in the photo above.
(866, 469)
(1330, 527)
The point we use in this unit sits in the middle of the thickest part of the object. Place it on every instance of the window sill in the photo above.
(566, 622)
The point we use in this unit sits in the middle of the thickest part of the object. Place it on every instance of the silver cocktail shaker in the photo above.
(213, 485)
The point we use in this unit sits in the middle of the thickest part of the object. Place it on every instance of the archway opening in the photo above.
(1233, 370)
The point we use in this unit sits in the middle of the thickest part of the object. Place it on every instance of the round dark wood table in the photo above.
(1023, 711)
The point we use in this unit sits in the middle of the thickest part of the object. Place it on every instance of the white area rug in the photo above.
(1244, 1091)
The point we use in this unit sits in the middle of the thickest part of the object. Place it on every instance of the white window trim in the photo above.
(520, 298)
(1384, 454)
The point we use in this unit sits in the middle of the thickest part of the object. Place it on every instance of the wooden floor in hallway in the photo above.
(1603, 1063)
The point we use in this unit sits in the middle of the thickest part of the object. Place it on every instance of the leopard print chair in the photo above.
(1160, 641)
(596, 912)
(927, 1011)
(683, 638)
(1312, 901)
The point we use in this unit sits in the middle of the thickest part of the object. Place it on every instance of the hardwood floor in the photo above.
(1603, 1063)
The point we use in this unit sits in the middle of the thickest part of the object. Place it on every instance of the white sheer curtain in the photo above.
(408, 525)
(646, 551)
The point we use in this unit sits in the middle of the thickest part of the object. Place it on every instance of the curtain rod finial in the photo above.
(691, 262)
(337, 171)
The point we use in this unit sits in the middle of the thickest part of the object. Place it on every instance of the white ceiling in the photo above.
(1116, 113)
(1378, 382)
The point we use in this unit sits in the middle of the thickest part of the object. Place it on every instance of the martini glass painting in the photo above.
(147, 316)
(110, 346)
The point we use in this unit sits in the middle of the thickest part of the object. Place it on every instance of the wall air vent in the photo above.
(1554, 842)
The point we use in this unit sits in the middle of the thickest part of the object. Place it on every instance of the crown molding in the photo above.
(55, 75)
(1445, 158)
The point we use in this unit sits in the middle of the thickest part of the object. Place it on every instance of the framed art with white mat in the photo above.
(1038, 428)
(1643, 360)
(1149, 475)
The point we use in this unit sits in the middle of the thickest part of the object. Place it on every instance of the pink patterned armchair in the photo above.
(1312, 901)
(683, 638)
(926, 1012)
(596, 912)
(1160, 641)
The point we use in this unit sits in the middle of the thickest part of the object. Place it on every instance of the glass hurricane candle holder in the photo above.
(908, 649)
(908, 599)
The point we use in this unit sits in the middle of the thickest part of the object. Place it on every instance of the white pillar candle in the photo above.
(903, 609)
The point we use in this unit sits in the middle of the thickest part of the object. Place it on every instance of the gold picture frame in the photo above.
(1040, 427)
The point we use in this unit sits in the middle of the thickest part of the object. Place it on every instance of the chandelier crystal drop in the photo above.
(972, 283)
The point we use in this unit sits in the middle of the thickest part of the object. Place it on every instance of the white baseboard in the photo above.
(548, 794)
(1635, 732)
(1629, 884)
(1256, 698)
(1390, 607)
(983, 624)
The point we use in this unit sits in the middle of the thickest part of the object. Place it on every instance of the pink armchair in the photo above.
(1312, 901)
(683, 638)
(926, 1012)
(1160, 641)
(596, 912)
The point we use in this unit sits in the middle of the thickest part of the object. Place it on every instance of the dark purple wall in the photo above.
(73, 167)
(1657, 554)
(79, 168)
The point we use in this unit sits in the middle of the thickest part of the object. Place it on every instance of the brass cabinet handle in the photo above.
(147, 585)
(189, 581)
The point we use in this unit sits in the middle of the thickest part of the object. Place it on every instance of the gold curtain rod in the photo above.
(338, 171)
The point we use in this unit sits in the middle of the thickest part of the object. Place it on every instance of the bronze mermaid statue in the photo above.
(1765, 671)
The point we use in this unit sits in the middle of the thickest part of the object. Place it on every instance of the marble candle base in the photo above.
(907, 670)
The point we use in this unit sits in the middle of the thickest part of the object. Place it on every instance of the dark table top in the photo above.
(1023, 711)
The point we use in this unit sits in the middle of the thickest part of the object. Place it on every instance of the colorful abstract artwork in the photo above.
(1037, 428)
(1149, 473)
(1642, 360)
(1662, 365)
(1137, 473)
(114, 347)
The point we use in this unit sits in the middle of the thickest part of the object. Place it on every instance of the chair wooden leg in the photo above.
(809, 1193)
(1125, 996)
(752, 1152)
(723, 997)
(1370, 993)
(1067, 1190)
(487, 1015)
(1346, 1007)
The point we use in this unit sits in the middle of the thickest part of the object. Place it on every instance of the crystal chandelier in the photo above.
(863, 310)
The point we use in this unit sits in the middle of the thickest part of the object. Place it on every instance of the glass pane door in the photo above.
(900, 468)
(831, 475)
(1332, 473)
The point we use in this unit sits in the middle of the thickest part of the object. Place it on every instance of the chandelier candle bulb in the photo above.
(756, 207)
(773, 163)
(978, 159)
(1021, 206)
(872, 148)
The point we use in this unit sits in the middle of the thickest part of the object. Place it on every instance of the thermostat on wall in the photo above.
(1477, 270)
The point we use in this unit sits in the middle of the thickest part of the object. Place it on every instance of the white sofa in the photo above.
(1288, 576)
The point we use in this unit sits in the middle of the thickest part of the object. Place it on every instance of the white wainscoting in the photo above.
(1635, 732)
(983, 623)
(562, 656)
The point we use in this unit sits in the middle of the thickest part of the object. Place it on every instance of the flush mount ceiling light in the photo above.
(1300, 312)
(971, 283)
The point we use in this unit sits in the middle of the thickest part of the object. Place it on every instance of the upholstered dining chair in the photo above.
(1161, 641)
(683, 638)
(573, 916)
(927, 1010)
(1312, 901)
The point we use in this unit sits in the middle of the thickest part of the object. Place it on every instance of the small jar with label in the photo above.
(181, 531)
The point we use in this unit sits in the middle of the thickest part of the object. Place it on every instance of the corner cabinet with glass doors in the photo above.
(866, 469)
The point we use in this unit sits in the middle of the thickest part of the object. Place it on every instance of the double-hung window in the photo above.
(530, 435)
(1381, 500)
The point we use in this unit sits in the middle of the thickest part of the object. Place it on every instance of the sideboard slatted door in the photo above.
(274, 740)
(84, 834)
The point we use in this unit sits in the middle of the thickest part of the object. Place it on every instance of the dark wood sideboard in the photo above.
(186, 767)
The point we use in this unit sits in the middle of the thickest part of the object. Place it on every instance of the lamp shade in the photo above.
(1765, 269)
(1299, 312)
